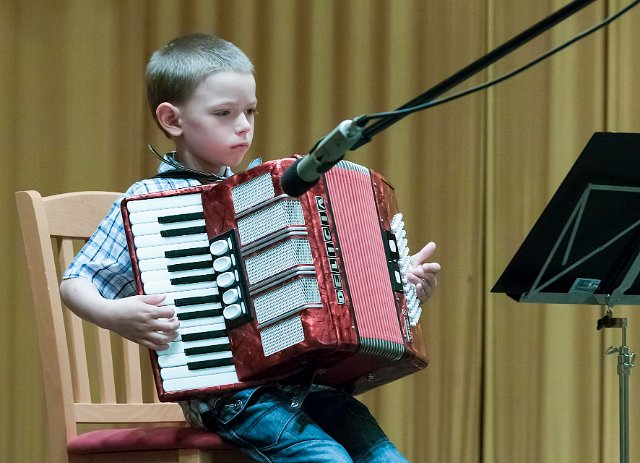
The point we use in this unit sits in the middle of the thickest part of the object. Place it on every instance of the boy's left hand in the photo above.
(422, 273)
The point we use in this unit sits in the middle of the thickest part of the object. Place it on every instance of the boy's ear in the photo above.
(169, 118)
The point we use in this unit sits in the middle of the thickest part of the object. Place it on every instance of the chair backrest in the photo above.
(90, 375)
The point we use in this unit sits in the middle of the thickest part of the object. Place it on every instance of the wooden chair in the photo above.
(94, 378)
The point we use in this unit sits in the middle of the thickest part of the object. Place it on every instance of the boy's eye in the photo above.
(252, 111)
(222, 113)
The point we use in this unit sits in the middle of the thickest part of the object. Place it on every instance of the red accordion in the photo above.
(267, 286)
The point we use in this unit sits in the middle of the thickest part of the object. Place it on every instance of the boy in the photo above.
(201, 92)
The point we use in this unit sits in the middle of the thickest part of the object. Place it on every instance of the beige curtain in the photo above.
(507, 382)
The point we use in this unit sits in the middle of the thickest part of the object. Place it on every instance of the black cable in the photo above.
(364, 119)
(179, 168)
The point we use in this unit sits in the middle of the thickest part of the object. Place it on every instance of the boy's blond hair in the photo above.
(175, 70)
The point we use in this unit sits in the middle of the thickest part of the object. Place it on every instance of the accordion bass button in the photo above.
(226, 279)
(219, 248)
(230, 296)
(222, 264)
(231, 312)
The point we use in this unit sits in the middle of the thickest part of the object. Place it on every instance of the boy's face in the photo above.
(216, 123)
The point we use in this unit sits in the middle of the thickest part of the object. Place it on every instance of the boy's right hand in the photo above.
(137, 318)
(140, 319)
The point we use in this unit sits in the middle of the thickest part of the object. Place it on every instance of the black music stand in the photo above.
(585, 247)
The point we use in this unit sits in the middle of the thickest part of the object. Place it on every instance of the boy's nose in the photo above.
(243, 124)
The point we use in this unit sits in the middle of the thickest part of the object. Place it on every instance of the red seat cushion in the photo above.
(150, 438)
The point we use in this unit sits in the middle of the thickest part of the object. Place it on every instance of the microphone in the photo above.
(305, 172)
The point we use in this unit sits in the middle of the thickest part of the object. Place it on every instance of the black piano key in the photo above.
(187, 252)
(197, 300)
(181, 217)
(189, 266)
(183, 231)
(208, 349)
(209, 363)
(200, 314)
(204, 335)
(192, 279)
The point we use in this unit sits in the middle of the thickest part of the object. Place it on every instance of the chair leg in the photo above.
(218, 456)
(192, 456)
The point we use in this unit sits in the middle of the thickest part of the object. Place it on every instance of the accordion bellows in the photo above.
(268, 287)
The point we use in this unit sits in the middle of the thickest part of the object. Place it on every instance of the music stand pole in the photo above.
(626, 361)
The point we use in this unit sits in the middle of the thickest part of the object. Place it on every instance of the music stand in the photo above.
(585, 247)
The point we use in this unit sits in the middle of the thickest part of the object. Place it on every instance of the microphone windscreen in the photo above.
(291, 182)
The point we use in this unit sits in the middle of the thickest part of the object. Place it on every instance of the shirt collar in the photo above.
(171, 157)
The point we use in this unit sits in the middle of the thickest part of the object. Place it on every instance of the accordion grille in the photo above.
(268, 220)
(281, 335)
(285, 299)
(252, 193)
(277, 259)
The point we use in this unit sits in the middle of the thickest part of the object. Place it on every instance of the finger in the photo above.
(431, 267)
(158, 340)
(152, 299)
(165, 337)
(422, 293)
(423, 272)
(151, 344)
(430, 283)
(165, 325)
(425, 253)
(168, 312)
(171, 335)
(427, 281)
(413, 278)
(154, 346)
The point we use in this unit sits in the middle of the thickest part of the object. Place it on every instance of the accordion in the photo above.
(267, 287)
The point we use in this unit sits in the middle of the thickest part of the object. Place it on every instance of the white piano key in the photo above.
(154, 228)
(219, 378)
(200, 321)
(176, 360)
(171, 360)
(164, 202)
(152, 216)
(165, 287)
(154, 252)
(171, 297)
(157, 240)
(177, 347)
(164, 275)
(184, 372)
(162, 263)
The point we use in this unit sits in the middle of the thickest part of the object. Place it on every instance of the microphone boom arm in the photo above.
(351, 134)
(475, 67)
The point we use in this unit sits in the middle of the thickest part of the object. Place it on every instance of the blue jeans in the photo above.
(329, 426)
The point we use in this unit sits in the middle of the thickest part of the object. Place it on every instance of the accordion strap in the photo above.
(202, 177)
(187, 174)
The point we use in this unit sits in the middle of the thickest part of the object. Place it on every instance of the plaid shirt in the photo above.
(105, 260)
